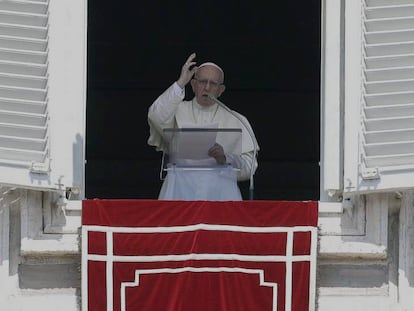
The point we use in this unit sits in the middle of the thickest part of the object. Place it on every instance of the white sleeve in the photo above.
(244, 162)
(178, 90)
(162, 112)
(164, 107)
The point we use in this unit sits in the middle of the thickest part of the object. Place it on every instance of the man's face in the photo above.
(207, 81)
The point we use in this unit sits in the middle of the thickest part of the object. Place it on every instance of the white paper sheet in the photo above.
(195, 144)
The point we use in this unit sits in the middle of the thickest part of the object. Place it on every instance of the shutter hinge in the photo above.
(370, 173)
(40, 167)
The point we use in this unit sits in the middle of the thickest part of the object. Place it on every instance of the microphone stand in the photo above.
(249, 130)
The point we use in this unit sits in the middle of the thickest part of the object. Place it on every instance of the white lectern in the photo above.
(191, 174)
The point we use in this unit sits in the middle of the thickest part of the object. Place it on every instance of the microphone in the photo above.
(249, 130)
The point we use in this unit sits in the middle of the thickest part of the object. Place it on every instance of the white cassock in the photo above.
(170, 111)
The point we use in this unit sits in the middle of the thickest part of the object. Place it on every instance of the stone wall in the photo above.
(365, 261)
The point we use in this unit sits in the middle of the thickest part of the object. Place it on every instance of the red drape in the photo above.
(198, 255)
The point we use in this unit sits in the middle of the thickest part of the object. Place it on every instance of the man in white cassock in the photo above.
(171, 111)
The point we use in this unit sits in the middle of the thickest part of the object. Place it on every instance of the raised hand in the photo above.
(187, 71)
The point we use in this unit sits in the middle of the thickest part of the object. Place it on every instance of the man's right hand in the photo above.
(187, 71)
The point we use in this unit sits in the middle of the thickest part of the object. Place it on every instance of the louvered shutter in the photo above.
(38, 132)
(385, 136)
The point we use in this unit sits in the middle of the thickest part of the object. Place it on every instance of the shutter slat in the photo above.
(23, 143)
(389, 123)
(385, 49)
(389, 36)
(24, 6)
(392, 61)
(391, 148)
(23, 118)
(389, 86)
(28, 106)
(390, 11)
(36, 45)
(393, 161)
(23, 131)
(389, 99)
(389, 136)
(21, 56)
(23, 81)
(389, 24)
(23, 68)
(381, 3)
(22, 155)
(23, 31)
(375, 112)
(23, 19)
(387, 74)
(23, 93)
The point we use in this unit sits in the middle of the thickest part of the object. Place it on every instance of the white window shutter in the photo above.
(382, 131)
(42, 93)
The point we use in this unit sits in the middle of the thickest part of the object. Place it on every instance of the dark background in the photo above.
(270, 52)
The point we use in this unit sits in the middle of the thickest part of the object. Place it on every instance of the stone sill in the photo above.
(51, 245)
(334, 247)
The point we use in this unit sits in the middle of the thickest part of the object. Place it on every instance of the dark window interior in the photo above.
(270, 52)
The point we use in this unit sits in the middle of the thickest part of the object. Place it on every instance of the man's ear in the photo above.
(193, 85)
(221, 90)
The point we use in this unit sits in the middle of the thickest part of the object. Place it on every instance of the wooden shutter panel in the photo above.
(23, 82)
(42, 93)
(386, 135)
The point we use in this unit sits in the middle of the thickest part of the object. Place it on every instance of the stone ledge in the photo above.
(44, 275)
(51, 245)
(336, 247)
(67, 299)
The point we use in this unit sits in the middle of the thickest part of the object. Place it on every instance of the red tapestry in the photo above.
(196, 255)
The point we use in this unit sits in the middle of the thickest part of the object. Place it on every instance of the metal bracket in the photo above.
(40, 167)
(370, 173)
